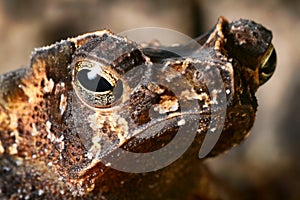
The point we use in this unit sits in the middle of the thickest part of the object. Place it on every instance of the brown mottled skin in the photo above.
(49, 123)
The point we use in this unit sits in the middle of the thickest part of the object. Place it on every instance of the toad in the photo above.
(99, 116)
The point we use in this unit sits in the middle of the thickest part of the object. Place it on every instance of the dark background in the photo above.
(266, 165)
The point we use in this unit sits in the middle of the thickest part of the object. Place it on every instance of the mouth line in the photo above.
(141, 131)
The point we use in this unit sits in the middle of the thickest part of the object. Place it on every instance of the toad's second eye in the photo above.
(96, 85)
(268, 65)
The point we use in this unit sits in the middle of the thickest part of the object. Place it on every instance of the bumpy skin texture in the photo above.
(49, 124)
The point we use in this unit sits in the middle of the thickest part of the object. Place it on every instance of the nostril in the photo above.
(255, 34)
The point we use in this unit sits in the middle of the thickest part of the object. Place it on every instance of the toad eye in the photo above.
(96, 86)
(92, 81)
(268, 65)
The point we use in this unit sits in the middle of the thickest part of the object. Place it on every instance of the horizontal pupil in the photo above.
(94, 84)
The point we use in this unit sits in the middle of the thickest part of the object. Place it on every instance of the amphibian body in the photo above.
(81, 121)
